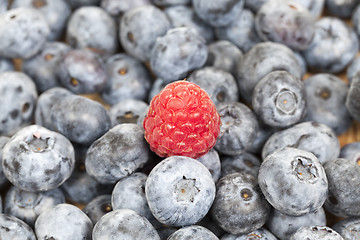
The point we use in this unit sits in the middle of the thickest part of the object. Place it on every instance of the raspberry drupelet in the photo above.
(182, 120)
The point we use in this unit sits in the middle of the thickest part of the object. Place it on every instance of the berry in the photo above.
(182, 120)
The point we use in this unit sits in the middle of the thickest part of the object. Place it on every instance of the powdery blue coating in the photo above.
(64, 221)
(211, 161)
(117, 154)
(283, 226)
(17, 102)
(348, 228)
(262, 59)
(56, 14)
(238, 129)
(3, 6)
(15, 229)
(124, 224)
(24, 32)
(313, 137)
(341, 8)
(6, 64)
(245, 162)
(218, 13)
(331, 34)
(37, 159)
(254, 5)
(293, 181)
(193, 232)
(127, 111)
(4, 182)
(352, 102)
(185, 16)
(220, 85)
(127, 78)
(315, 7)
(180, 50)
(350, 151)
(171, 2)
(80, 119)
(354, 67)
(27, 206)
(241, 31)
(261, 137)
(325, 98)
(355, 19)
(315, 233)
(137, 32)
(92, 27)
(98, 207)
(239, 205)
(302, 63)
(259, 234)
(117, 8)
(43, 67)
(180, 191)
(156, 88)
(279, 99)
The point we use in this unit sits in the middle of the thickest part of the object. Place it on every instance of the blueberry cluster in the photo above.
(76, 81)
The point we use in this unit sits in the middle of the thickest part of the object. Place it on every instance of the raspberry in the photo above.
(182, 120)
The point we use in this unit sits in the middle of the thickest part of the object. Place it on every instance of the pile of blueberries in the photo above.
(78, 168)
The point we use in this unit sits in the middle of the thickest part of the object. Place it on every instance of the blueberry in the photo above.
(6, 65)
(238, 128)
(348, 228)
(92, 27)
(331, 34)
(98, 207)
(261, 137)
(244, 162)
(239, 206)
(17, 103)
(27, 206)
(351, 151)
(241, 31)
(43, 67)
(124, 224)
(302, 63)
(127, 111)
(64, 221)
(4, 182)
(315, 233)
(24, 32)
(355, 20)
(194, 232)
(80, 3)
(315, 7)
(254, 5)
(37, 159)
(220, 85)
(56, 14)
(117, 8)
(80, 119)
(309, 136)
(352, 99)
(180, 50)
(285, 22)
(279, 99)
(179, 191)
(156, 87)
(13, 228)
(137, 32)
(117, 154)
(171, 2)
(258, 234)
(127, 78)
(211, 161)
(165, 231)
(3, 6)
(354, 67)
(293, 181)
(341, 9)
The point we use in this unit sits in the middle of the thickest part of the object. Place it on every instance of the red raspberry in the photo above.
(182, 120)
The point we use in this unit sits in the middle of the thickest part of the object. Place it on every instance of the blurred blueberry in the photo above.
(156, 88)
(80, 3)
(259, 234)
(163, 3)
(127, 111)
(98, 207)
(13, 228)
(316, 232)
(302, 63)
(117, 8)
(194, 232)
(342, 8)
(3, 6)
(352, 99)
(254, 5)
(211, 161)
(351, 151)
(355, 19)
(244, 162)
(348, 228)
(4, 182)
(354, 68)
(315, 7)
(6, 65)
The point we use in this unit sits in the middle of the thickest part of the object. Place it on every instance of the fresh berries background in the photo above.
(182, 120)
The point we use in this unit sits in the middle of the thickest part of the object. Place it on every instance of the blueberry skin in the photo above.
(241, 31)
(262, 59)
(80, 119)
(156, 88)
(355, 20)
(254, 5)
(261, 137)
(127, 111)
(185, 16)
(238, 129)
(27, 206)
(180, 50)
(293, 181)
(344, 192)
(165, 231)
(64, 221)
(283, 226)
(354, 67)
(127, 78)
(3, 6)
(82, 71)
(98, 207)
(350, 151)
(171, 2)
(285, 22)
(224, 55)
(117, 154)
(24, 32)
(258, 234)
(220, 85)
(124, 224)
(331, 33)
(239, 206)
(6, 64)
(56, 14)
(4, 182)
(244, 162)
(17, 103)
(218, 13)
(279, 99)
(194, 232)
(309, 136)
(211, 161)
(315, 233)
(15, 229)
(302, 63)
(43, 67)
(348, 228)
(315, 7)
(341, 9)
(37, 159)
(185, 193)
(326, 97)
(92, 27)
(352, 99)
(117, 8)
(137, 32)
(81, 3)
